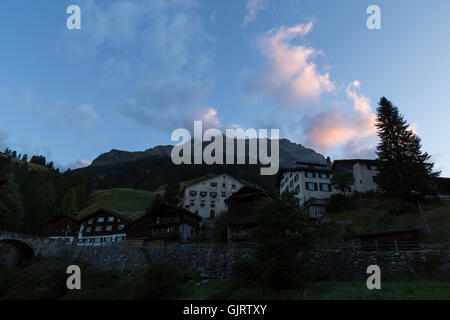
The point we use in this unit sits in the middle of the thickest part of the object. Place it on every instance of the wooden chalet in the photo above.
(242, 211)
(102, 227)
(165, 222)
(63, 227)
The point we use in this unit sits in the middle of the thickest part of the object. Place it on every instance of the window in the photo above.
(91, 221)
(212, 214)
(297, 189)
(213, 184)
(98, 228)
(325, 187)
(203, 193)
(324, 176)
(213, 204)
(233, 186)
(110, 219)
(192, 203)
(101, 219)
(202, 204)
(224, 194)
(223, 185)
(193, 193)
(372, 167)
(309, 174)
(296, 178)
(311, 186)
(213, 194)
(120, 227)
(88, 229)
(108, 228)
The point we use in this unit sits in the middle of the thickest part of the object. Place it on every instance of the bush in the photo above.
(340, 202)
(397, 206)
(246, 271)
(384, 220)
(220, 230)
(161, 280)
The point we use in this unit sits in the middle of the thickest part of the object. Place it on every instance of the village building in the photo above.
(307, 181)
(364, 172)
(63, 227)
(242, 211)
(206, 196)
(102, 227)
(168, 222)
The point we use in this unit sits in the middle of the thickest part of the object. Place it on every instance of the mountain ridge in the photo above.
(290, 153)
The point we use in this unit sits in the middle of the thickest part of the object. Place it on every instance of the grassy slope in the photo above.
(366, 215)
(32, 166)
(404, 289)
(130, 202)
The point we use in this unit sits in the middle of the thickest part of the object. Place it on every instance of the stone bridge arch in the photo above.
(17, 247)
(15, 252)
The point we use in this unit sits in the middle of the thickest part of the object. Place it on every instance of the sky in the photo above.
(139, 69)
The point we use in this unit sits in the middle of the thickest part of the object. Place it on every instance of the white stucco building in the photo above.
(206, 196)
(364, 172)
(308, 181)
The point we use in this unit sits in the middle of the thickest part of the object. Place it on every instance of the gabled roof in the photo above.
(391, 231)
(62, 216)
(249, 191)
(109, 212)
(352, 162)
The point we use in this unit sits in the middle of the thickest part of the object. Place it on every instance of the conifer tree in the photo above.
(403, 167)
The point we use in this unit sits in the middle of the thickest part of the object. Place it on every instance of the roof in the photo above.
(171, 206)
(249, 191)
(110, 212)
(391, 230)
(316, 202)
(62, 216)
(352, 162)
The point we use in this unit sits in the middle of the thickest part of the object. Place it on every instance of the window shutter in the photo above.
(320, 187)
(315, 186)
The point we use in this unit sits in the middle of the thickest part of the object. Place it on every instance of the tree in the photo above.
(157, 202)
(11, 207)
(173, 192)
(25, 157)
(342, 180)
(402, 166)
(38, 160)
(281, 231)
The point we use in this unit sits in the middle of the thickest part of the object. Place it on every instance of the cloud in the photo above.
(291, 76)
(252, 7)
(77, 164)
(162, 46)
(335, 127)
(81, 116)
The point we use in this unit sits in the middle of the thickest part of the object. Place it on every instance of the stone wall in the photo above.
(216, 262)
(111, 258)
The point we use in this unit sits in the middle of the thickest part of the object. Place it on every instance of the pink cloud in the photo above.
(336, 128)
(291, 72)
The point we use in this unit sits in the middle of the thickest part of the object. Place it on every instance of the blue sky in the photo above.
(139, 69)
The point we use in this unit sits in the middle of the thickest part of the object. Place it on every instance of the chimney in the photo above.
(329, 162)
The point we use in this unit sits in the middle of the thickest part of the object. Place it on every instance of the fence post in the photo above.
(396, 245)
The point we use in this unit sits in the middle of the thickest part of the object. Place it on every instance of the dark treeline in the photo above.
(32, 195)
(154, 171)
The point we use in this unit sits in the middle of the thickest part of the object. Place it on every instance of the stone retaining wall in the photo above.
(216, 262)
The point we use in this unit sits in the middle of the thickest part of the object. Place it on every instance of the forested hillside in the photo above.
(31, 197)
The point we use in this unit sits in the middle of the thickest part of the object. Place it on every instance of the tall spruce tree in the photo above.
(403, 168)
